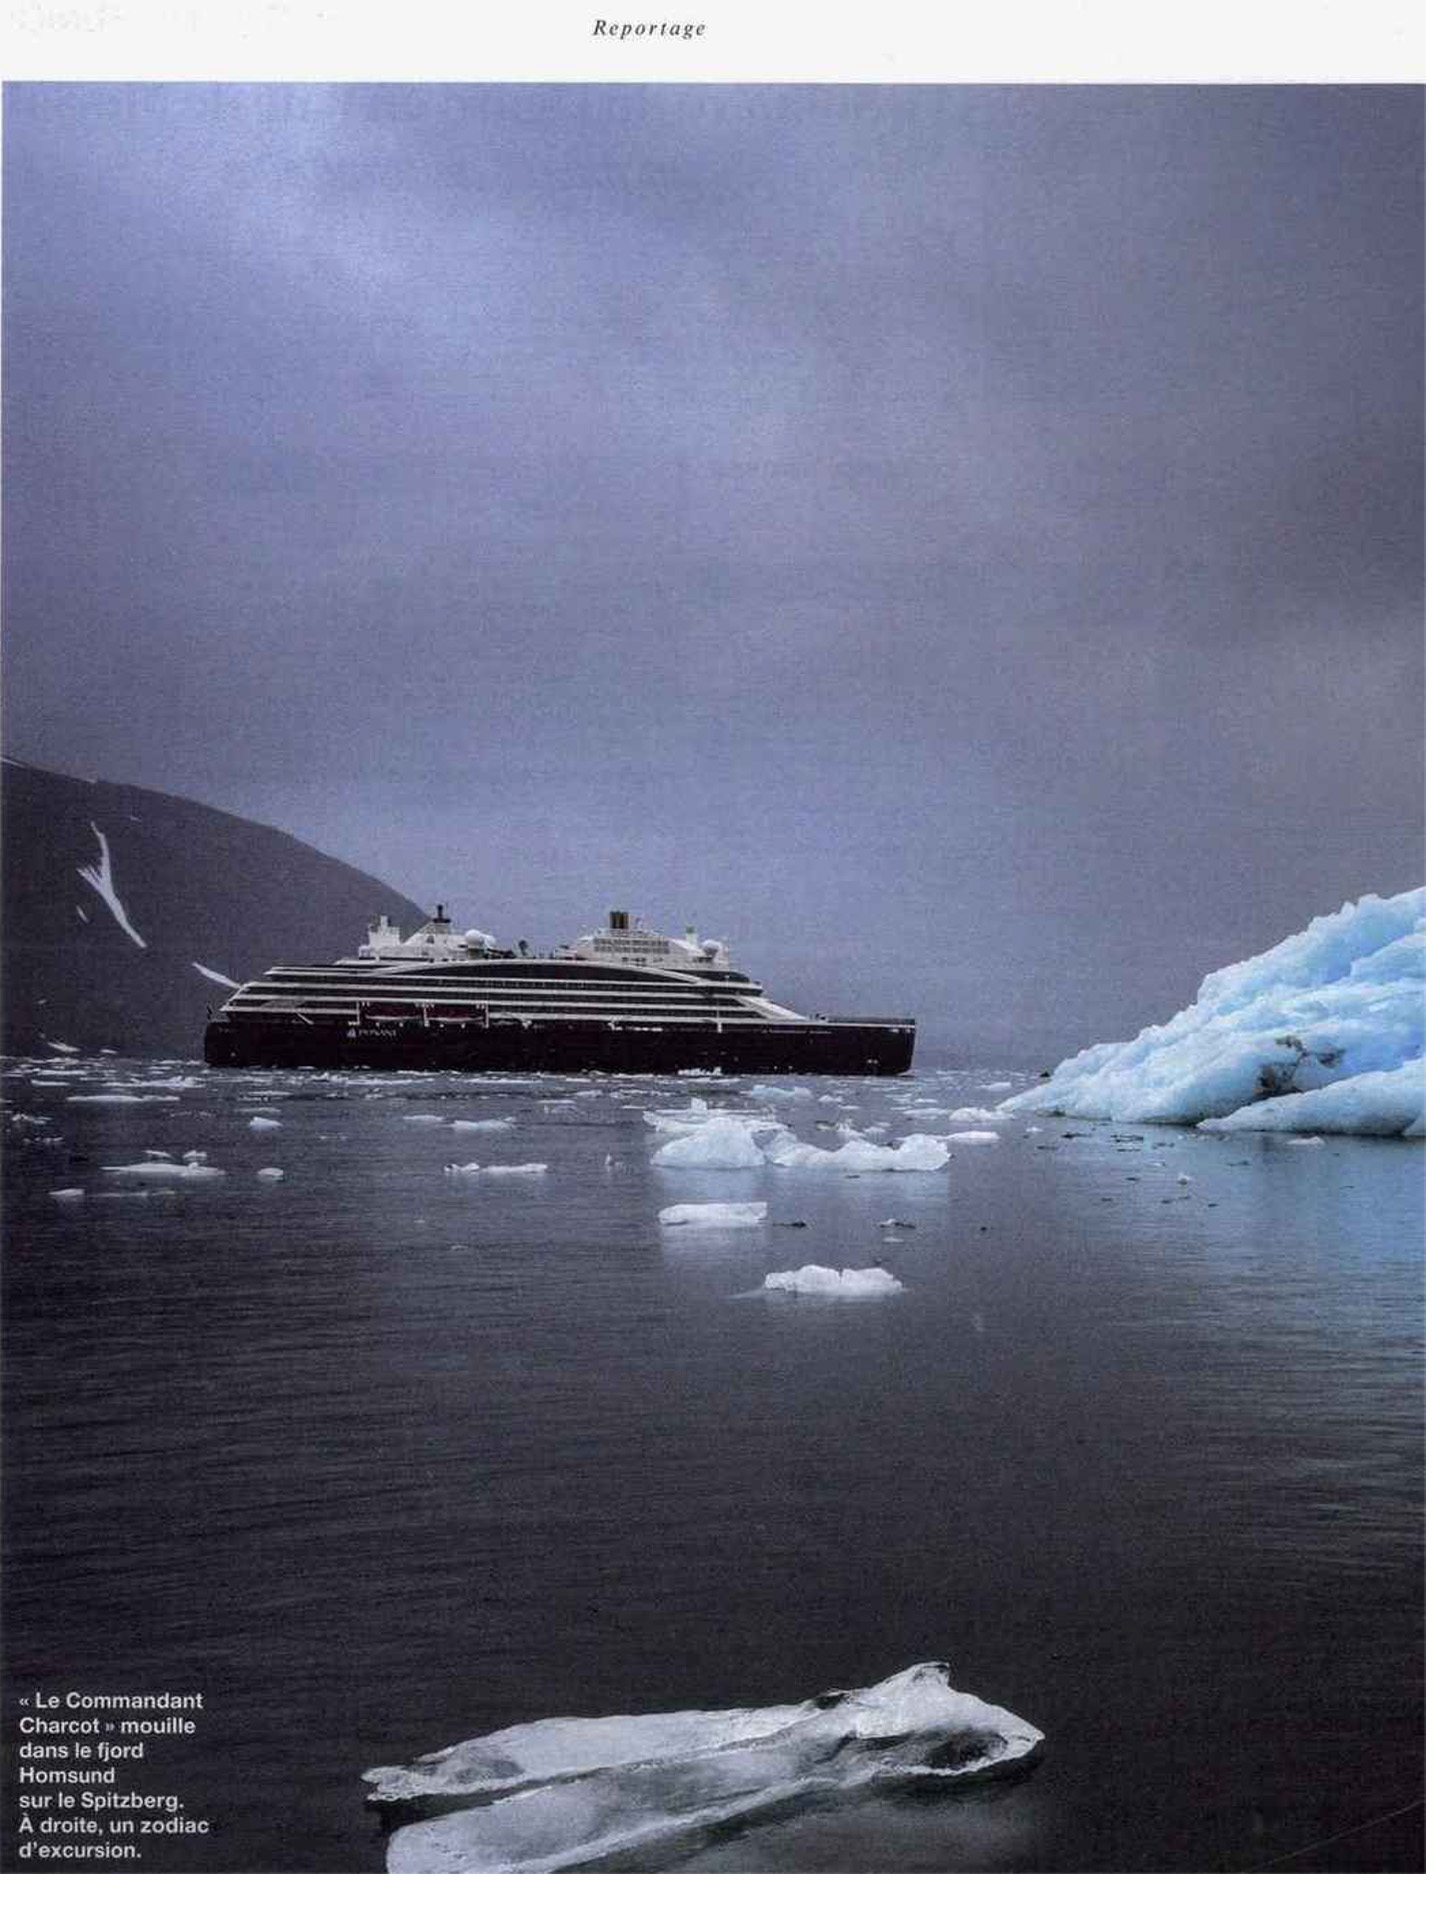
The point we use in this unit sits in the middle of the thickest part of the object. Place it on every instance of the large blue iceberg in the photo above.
(1325, 1033)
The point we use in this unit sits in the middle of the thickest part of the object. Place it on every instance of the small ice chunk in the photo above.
(61, 1046)
(258, 1125)
(974, 1116)
(67, 1192)
(759, 1091)
(916, 1153)
(423, 1119)
(482, 1125)
(907, 1224)
(561, 1793)
(723, 1145)
(720, 1212)
(270, 1172)
(861, 1282)
(165, 1170)
(195, 1157)
(1312, 1139)
(997, 1086)
(527, 1166)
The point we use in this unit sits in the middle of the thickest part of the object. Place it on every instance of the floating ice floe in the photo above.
(1324, 1032)
(259, 1125)
(423, 1119)
(67, 1192)
(528, 1166)
(917, 1153)
(562, 1793)
(861, 1282)
(974, 1116)
(720, 1212)
(997, 1086)
(166, 1170)
(977, 1138)
(482, 1125)
(759, 1091)
(1312, 1140)
(723, 1145)
(61, 1046)
(271, 1172)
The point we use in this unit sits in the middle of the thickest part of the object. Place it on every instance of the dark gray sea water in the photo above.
(379, 1459)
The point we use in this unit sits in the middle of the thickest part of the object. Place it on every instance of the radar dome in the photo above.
(478, 940)
(710, 948)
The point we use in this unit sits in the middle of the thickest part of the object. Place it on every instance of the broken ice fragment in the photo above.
(722, 1212)
(722, 1145)
(865, 1282)
(916, 1153)
(561, 1793)
(166, 1170)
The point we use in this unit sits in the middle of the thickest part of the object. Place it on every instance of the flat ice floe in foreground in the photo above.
(863, 1282)
(719, 1212)
(1323, 1033)
(567, 1792)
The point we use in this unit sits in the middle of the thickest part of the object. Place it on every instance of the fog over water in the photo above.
(962, 545)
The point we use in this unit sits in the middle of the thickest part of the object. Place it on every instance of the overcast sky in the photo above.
(962, 544)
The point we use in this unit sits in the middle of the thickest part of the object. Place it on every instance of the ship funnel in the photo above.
(619, 922)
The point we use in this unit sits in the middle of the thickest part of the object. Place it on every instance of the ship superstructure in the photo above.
(626, 999)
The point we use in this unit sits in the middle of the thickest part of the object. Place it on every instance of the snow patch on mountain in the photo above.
(220, 979)
(103, 880)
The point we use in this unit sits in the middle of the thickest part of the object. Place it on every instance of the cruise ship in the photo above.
(625, 1000)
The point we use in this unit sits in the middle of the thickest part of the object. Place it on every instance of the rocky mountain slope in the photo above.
(125, 911)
